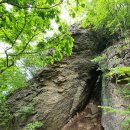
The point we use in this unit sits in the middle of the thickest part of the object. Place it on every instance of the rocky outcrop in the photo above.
(59, 91)
(118, 55)
(66, 95)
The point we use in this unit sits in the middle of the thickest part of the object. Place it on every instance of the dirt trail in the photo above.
(88, 119)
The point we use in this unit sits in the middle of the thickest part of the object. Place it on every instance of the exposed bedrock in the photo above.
(58, 91)
(118, 55)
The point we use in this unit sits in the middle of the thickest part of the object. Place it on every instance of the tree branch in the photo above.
(13, 43)
(24, 48)
(7, 60)
(7, 36)
(22, 52)
(8, 55)
(20, 32)
(26, 7)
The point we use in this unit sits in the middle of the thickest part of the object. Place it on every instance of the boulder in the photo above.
(58, 91)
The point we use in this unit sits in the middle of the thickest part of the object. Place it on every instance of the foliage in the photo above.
(24, 25)
(99, 58)
(25, 110)
(125, 124)
(10, 80)
(121, 71)
(109, 17)
(76, 7)
(33, 125)
(5, 115)
(115, 110)
(122, 76)
(24, 43)
(124, 112)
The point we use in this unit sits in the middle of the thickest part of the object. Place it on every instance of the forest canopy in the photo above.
(24, 24)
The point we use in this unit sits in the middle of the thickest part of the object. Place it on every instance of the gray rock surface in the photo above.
(59, 90)
(118, 55)
(62, 90)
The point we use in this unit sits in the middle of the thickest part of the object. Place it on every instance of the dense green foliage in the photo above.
(24, 25)
(33, 126)
(109, 17)
(25, 47)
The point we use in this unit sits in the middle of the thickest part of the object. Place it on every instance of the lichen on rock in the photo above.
(118, 55)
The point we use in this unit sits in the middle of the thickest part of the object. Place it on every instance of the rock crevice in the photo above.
(61, 90)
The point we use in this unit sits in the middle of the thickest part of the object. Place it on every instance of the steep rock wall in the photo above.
(118, 55)
(66, 95)
(59, 90)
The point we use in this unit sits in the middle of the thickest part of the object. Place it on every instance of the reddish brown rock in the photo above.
(88, 119)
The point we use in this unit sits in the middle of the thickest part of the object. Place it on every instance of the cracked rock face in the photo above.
(59, 90)
(118, 56)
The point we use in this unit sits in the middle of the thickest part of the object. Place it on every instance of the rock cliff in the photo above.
(59, 91)
(118, 55)
(66, 95)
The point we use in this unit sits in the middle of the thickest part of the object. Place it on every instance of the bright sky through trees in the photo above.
(64, 15)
